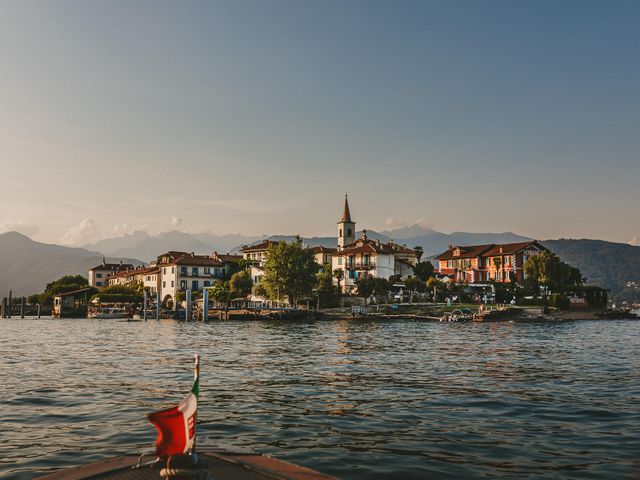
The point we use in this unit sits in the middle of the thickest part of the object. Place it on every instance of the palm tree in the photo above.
(419, 251)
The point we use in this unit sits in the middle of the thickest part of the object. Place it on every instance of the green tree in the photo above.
(365, 285)
(381, 287)
(338, 274)
(547, 270)
(235, 267)
(240, 284)
(220, 292)
(328, 293)
(436, 285)
(289, 270)
(423, 270)
(33, 299)
(419, 252)
(497, 262)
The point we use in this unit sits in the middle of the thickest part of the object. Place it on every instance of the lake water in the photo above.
(357, 399)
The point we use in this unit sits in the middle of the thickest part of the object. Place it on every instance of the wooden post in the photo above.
(187, 315)
(145, 305)
(10, 303)
(158, 305)
(22, 307)
(38, 310)
(3, 308)
(205, 305)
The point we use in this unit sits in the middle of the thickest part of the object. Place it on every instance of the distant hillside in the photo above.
(610, 265)
(27, 266)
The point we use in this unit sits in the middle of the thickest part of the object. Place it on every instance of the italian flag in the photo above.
(177, 425)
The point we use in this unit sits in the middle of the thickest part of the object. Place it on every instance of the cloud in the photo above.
(175, 221)
(85, 232)
(20, 225)
(633, 241)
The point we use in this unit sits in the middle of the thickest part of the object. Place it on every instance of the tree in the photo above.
(235, 267)
(365, 285)
(414, 284)
(547, 270)
(33, 299)
(220, 292)
(327, 292)
(240, 284)
(497, 262)
(423, 270)
(289, 270)
(436, 285)
(381, 287)
(419, 252)
(338, 274)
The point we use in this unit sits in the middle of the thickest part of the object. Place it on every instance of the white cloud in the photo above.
(20, 225)
(85, 232)
(175, 221)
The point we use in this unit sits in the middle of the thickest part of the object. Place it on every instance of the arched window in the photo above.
(340, 233)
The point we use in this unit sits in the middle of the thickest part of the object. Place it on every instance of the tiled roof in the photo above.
(469, 251)
(259, 247)
(373, 246)
(112, 266)
(489, 250)
(198, 260)
(511, 248)
(137, 271)
(321, 249)
(227, 258)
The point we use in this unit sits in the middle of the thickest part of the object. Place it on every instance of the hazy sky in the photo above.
(256, 117)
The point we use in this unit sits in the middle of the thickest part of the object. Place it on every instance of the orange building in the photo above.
(483, 263)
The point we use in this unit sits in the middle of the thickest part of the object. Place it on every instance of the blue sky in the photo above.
(256, 117)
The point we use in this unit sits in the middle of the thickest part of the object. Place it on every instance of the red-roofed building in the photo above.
(483, 263)
(99, 274)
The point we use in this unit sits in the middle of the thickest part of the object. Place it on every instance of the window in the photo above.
(194, 285)
(207, 283)
(99, 284)
(164, 270)
(183, 284)
(183, 270)
(339, 260)
(207, 270)
(98, 275)
(340, 233)
(171, 283)
(173, 269)
(194, 271)
(164, 284)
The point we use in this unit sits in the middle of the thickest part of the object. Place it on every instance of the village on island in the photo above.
(360, 276)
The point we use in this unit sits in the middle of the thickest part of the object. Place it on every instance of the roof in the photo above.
(364, 245)
(65, 294)
(346, 214)
(111, 266)
(467, 251)
(198, 261)
(137, 271)
(321, 249)
(488, 250)
(259, 247)
(228, 257)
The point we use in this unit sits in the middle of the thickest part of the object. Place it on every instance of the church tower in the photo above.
(346, 228)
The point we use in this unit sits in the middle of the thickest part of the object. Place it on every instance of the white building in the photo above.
(364, 256)
(99, 274)
(257, 254)
(149, 277)
(181, 271)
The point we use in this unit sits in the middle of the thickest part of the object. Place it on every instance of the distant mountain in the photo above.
(412, 231)
(148, 247)
(435, 243)
(27, 266)
(610, 265)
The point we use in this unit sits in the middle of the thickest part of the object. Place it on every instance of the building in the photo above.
(181, 271)
(99, 274)
(490, 262)
(366, 256)
(149, 277)
(256, 255)
(323, 254)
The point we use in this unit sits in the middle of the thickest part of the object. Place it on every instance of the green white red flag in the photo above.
(177, 425)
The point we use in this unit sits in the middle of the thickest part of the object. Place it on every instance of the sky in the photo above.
(256, 117)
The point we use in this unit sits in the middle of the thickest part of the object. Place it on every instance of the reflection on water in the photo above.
(357, 399)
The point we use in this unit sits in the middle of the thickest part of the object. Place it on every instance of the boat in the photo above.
(109, 313)
(458, 315)
(212, 464)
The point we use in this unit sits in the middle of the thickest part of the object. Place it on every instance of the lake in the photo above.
(354, 398)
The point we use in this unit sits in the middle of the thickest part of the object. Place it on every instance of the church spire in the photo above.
(346, 214)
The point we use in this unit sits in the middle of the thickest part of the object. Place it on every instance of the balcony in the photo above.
(360, 265)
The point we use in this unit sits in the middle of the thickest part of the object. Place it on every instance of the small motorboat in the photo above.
(458, 315)
(109, 313)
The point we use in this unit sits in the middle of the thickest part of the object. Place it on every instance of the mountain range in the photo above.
(27, 266)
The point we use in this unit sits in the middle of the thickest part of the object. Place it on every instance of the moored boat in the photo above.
(109, 313)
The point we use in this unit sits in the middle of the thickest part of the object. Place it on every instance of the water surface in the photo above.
(356, 399)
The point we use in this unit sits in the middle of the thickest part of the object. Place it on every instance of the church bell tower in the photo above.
(346, 228)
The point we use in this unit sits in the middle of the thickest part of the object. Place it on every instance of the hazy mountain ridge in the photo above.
(26, 266)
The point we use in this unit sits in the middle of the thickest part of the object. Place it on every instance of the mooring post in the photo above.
(187, 315)
(3, 308)
(22, 307)
(38, 310)
(146, 304)
(205, 305)
(158, 306)
(10, 303)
